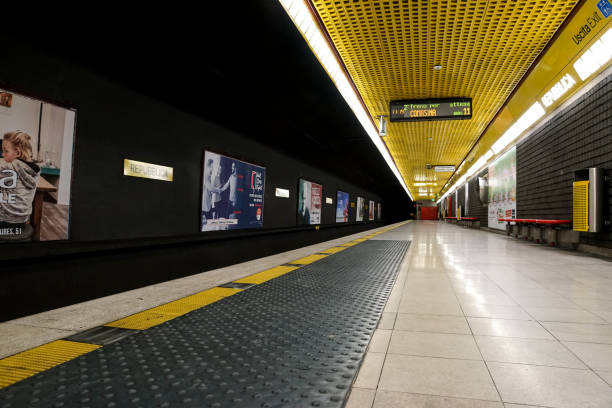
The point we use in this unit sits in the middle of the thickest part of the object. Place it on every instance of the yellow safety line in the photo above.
(160, 314)
(268, 274)
(307, 259)
(27, 363)
(30, 362)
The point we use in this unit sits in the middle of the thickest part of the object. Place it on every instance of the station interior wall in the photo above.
(130, 232)
(577, 137)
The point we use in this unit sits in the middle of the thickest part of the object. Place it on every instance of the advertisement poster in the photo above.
(502, 189)
(232, 193)
(35, 169)
(360, 208)
(371, 209)
(309, 202)
(342, 203)
(379, 211)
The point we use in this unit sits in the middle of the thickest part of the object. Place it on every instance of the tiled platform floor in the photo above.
(478, 319)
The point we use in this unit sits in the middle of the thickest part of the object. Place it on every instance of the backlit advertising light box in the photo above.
(35, 169)
(232, 193)
(309, 202)
(342, 203)
(360, 208)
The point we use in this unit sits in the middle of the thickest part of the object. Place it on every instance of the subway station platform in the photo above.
(417, 314)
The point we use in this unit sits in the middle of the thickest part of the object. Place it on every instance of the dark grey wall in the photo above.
(578, 137)
(475, 207)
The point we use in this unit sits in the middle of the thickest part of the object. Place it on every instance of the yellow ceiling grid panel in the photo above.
(390, 49)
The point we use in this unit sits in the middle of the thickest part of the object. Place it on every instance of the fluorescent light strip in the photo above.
(299, 13)
(595, 57)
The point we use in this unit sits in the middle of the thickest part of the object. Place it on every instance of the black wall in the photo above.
(130, 232)
(475, 207)
(578, 137)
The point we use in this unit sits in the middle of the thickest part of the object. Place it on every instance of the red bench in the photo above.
(468, 220)
(553, 225)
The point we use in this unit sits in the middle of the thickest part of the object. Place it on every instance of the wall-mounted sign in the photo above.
(135, 168)
(281, 192)
(444, 169)
(430, 109)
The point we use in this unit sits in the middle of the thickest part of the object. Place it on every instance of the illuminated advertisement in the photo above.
(371, 211)
(232, 193)
(502, 189)
(342, 203)
(309, 202)
(360, 208)
(35, 169)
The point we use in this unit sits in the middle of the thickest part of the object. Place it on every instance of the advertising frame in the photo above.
(346, 206)
(65, 156)
(244, 161)
(359, 209)
(297, 209)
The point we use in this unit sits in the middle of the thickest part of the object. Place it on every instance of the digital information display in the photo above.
(430, 109)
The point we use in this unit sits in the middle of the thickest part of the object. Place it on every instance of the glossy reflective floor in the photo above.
(478, 319)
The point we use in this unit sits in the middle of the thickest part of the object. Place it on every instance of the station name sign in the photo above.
(430, 109)
(135, 168)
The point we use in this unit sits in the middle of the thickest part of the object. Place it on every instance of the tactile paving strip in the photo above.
(294, 341)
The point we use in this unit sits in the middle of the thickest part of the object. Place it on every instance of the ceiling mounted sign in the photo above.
(430, 109)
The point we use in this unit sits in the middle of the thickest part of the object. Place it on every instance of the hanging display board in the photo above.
(430, 109)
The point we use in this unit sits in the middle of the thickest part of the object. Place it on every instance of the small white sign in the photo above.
(328, 200)
(281, 192)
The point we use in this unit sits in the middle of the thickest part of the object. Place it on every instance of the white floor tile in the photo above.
(437, 376)
(432, 323)
(549, 314)
(550, 386)
(360, 398)
(593, 333)
(369, 373)
(596, 356)
(495, 311)
(527, 351)
(508, 328)
(387, 321)
(390, 399)
(380, 341)
(460, 346)
(430, 307)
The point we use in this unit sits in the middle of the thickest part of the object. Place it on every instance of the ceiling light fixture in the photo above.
(437, 67)
(300, 14)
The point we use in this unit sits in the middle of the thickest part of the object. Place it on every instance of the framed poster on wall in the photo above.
(371, 211)
(379, 211)
(502, 189)
(232, 193)
(360, 208)
(35, 169)
(309, 202)
(342, 203)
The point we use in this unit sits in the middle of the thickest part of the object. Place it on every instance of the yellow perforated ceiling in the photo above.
(390, 49)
